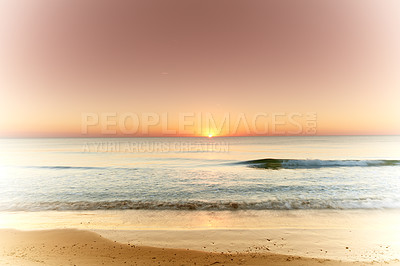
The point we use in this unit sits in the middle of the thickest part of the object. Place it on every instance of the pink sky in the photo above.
(340, 59)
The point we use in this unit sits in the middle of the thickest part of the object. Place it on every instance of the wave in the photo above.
(268, 163)
(79, 167)
(289, 204)
(275, 164)
(66, 167)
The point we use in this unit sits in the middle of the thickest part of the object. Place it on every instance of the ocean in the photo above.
(208, 174)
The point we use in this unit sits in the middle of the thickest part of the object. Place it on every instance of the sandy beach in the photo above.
(79, 247)
(200, 238)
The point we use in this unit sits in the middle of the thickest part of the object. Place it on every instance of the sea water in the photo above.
(211, 174)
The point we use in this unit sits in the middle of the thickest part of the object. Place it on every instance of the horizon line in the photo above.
(206, 137)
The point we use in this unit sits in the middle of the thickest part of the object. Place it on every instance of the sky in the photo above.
(338, 59)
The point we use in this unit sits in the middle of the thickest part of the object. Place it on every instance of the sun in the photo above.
(210, 135)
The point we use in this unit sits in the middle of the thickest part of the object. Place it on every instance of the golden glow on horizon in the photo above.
(338, 59)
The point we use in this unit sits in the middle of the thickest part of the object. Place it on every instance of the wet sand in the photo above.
(201, 237)
(79, 247)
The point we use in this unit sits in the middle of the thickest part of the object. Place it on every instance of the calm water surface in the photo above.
(245, 173)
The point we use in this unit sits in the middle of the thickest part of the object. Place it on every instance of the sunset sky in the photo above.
(339, 59)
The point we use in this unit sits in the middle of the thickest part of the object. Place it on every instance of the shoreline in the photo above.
(360, 236)
(81, 247)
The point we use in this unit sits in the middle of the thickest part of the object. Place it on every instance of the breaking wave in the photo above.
(307, 164)
(290, 204)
